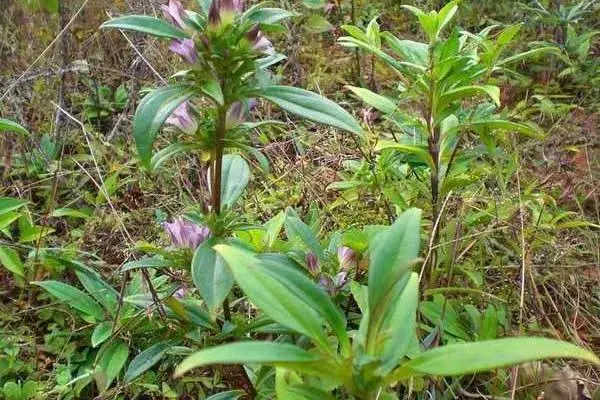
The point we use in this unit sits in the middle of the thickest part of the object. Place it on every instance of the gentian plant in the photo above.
(378, 359)
(227, 56)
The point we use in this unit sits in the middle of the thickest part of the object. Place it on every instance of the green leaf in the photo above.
(8, 204)
(314, 296)
(271, 296)
(112, 358)
(211, 275)
(414, 52)
(151, 114)
(266, 353)
(146, 360)
(69, 212)
(314, 4)
(527, 54)
(492, 124)
(467, 358)
(169, 152)
(102, 331)
(50, 5)
(267, 15)
(318, 24)
(10, 259)
(401, 328)
(104, 293)
(72, 297)
(150, 262)
(235, 176)
(375, 100)
(229, 395)
(296, 228)
(311, 106)
(213, 90)
(420, 152)
(7, 125)
(462, 92)
(141, 23)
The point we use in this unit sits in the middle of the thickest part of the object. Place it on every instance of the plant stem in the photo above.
(216, 179)
(357, 72)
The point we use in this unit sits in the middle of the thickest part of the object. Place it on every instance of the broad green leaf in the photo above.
(462, 92)
(509, 126)
(112, 358)
(392, 254)
(102, 331)
(91, 280)
(169, 152)
(413, 52)
(375, 100)
(526, 54)
(150, 262)
(211, 275)
(7, 125)
(446, 14)
(34, 233)
(72, 297)
(267, 15)
(213, 90)
(420, 152)
(315, 297)
(271, 296)
(141, 23)
(146, 360)
(318, 24)
(273, 229)
(229, 395)
(10, 259)
(234, 179)
(69, 212)
(467, 358)
(296, 228)
(399, 331)
(314, 4)
(266, 353)
(8, 204)
(151, 114)
(311, 106)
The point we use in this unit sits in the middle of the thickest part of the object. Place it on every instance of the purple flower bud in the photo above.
(235, 115)
(232, 6)
(224, 11)
(174, 13)
(182, 119)
(346, 257)
(214, 13)
(312, 263)
(259, 41)
(184, 233)
(340, 279)
(180, 293)
(185, 48)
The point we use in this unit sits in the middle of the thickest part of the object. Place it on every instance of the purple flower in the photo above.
(312, 263)
(182, 119)
(346, 258)
(174, 13)
(224, 11)
(259, 41)
(184, 233)
(237, 112)
(185, 48)
(180, 293)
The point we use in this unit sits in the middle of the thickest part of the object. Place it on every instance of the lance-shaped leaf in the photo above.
(146, 360)
(142, 23)
(503, 125)
(311, 106)
(101, 332)
(272, 296)
(111, 359)
(375, 100)
(211, 275)
(462, 92)
(467, 358)
(266, 353)
(73, 297)
(10, 259)
(7, 125)
(169, 152)
(152, 113)
(296, 228)
(235, 175)
(8, 204)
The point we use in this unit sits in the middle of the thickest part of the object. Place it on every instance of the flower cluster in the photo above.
(346, 261)
(186, 234)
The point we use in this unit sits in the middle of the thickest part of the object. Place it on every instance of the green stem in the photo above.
(216, 179)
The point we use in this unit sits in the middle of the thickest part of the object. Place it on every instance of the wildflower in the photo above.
(259, 41)
(182, 119)
(184, 48)
(180, 293)
(346, 258)
(224, 11)
(312, 263)
(184, 233)
(174, 13)
(236, 114)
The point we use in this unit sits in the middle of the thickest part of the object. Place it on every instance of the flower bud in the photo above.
(174, 13)
(312, 263)
(346, 258)
(259, 41)
(185, 48)
(182, 119)
(184, 233)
